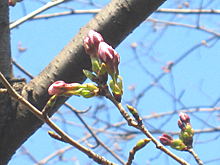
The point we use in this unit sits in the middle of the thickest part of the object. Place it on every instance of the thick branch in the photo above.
(5, 51)
(6, 105)
(117, 20)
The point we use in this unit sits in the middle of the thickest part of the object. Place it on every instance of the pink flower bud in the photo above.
(166, 139)
(91, 42)
(57, 88)
(109, 56)
(60, 87)
(184, 118)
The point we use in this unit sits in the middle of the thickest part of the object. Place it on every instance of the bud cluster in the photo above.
(176, 144)
(105, 60)
(186, 135)
(187, 131)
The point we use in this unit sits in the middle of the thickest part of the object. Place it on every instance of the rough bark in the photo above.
(7, 108)
(117, 20)
(5, 51)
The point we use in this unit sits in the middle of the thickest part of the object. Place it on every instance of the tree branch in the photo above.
(5, 50)
(117, 20)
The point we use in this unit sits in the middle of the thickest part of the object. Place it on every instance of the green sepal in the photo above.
(95, 64)
(120, 83)
(189, 130)
(187, 134)
(89, 86)
(52, 100)
(178, 144)
(103, 69)
(89, 74)
(73, 92)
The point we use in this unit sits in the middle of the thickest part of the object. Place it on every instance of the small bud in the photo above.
(49, 105)
(205, 43)
(60, 87)
(166, 139)
(110, 57)
(57, 88)
(55, 136)
(132, 109)
(143, 142)
(167, 68)
(134, 45)
(91, 42)
(184, 117)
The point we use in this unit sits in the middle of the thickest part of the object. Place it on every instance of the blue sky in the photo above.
(194, 80)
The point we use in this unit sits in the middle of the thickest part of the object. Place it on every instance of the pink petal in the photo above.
(56, 88)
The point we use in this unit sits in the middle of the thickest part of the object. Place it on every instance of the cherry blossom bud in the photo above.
(176, 144)
(166, 139)
(187, 131)
(91, 42)
(184, 118)
(57, 87)
(186, 135)
(60, 87)
(110, 57)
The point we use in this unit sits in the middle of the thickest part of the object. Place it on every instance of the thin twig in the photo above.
(189, 11)
(36, 12)
(143, 129)
(199, 161)
(22, 69)
(95, 11)
(51, 124)
(78, 115)
(94, 135)
(183, 25)
(29, 154)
